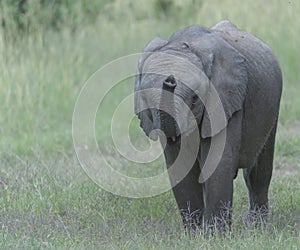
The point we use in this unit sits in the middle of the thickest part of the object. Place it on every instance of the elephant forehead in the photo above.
(166, 64)
(157, 67)
(151, 80)
(151, 86)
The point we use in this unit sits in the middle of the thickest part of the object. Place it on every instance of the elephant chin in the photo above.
(171, 140)
(177, 139)
(174, 139)
(159, 134)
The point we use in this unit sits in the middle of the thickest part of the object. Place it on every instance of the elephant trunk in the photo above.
(167, 112)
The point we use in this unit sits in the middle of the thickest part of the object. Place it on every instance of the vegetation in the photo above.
(49, 49)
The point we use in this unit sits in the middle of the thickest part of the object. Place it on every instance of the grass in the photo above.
(46, 199)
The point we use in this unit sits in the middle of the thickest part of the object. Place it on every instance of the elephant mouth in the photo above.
(173, 139)
(177, 138)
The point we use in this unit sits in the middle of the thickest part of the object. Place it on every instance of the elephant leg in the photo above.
(218, 188)
(218, 209)
(188, 192)
(218, 194)
(189, 197)
(258, 180)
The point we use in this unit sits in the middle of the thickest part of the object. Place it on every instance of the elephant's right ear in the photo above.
(153, 46)
(143, 114)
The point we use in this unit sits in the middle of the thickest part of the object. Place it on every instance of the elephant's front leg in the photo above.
(189, 197)
(188, 192)
(218, 192)
(218, 186)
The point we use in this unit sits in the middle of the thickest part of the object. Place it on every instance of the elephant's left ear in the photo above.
(227, 71)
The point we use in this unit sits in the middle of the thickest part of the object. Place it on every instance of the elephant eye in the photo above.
(194, 100)
(185, 45)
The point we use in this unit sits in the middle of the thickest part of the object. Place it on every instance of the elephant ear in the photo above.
(140, 104)
(226, 68)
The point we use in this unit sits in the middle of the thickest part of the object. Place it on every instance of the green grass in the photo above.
(46, 199)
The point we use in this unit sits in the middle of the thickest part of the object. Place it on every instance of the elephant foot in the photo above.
(192, 221)
(258, 216)
(219, 223)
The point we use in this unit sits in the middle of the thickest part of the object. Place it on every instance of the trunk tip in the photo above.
(170, 82)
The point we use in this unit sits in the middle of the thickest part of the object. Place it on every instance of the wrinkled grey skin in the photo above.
(248, 79)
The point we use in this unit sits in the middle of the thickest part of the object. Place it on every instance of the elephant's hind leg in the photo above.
(258, 180)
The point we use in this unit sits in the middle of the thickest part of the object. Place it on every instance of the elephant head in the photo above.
(188, 68)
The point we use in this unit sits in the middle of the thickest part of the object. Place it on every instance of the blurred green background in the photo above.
(48, 50)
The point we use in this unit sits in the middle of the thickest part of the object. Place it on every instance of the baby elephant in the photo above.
(211, 95)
